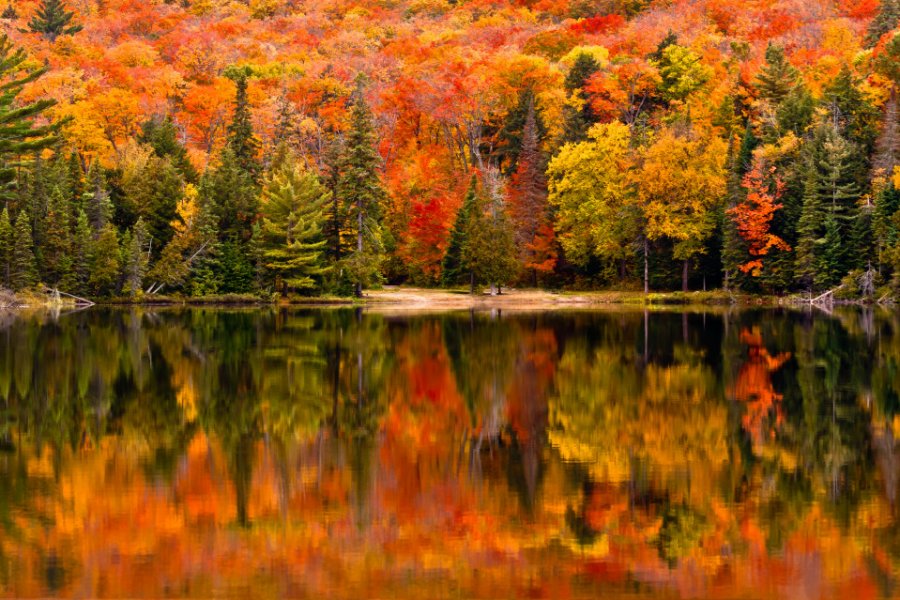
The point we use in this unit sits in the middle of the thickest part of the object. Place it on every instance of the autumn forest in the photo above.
(283, 147)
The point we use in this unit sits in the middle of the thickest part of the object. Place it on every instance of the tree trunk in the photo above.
(493, 290)
(684, 275)
(359, 249)
(646, 266)
(472, 282)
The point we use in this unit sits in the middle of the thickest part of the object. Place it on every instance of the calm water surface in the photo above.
(268, 453)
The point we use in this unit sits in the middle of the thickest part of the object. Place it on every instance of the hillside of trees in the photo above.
(204, 147)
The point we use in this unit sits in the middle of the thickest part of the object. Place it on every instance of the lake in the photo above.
(344, 453)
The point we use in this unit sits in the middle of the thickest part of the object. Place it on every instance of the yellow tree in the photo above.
(594, 196)
(679, 183)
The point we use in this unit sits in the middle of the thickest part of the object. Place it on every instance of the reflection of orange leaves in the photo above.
(754, 385)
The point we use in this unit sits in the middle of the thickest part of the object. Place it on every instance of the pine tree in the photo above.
(362, 194)
(810, 228)
(578, 114)
(241, 139)
(734, 249)
(886, 19)
(830, 268)
(852, 112)
(6, 246)
(134, 259)
(293, 208)
(23, 267)
(82, 241)
(153, 193)
(777, 78)
(512, 135)
(230, 193)
(452, 267)
(19, 136)
(56, 255)
(98, 207)
(489, 251)
(9, 13)
(53, 20)
(884, 226)
(103, 261)
(162, 136)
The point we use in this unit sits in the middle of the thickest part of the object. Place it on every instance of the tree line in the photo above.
(785, 188)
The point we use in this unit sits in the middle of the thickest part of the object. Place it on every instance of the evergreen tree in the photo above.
(512, 135)
(734, 249)
(362, 194)
(82, 240)
(23, 267)
(152, 193)
(56, 254)
(777, 78)
(886, 19)
(852, 112)
(884, 226)
(9, 13)
(162, 136)
(98, 207)
(489, 251)
(53, 20)
(830, 268)
(134, 259)
(810, 228)
(241, 139)
(103, 261)
(293, 208)
(452, 267)
(6, 246)
(19, 136)
(229, 192)
(578, 114)
(335, 229)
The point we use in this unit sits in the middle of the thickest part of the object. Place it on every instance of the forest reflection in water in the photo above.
(342, 453)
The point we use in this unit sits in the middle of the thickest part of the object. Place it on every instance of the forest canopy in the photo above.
(326, 146)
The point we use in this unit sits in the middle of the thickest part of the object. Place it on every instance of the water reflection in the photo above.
(340, 453)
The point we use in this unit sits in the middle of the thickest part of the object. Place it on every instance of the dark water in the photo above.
(265, 453)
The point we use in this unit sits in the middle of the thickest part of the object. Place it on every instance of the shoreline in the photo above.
(424, 299)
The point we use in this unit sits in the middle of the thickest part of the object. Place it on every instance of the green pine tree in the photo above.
(452, 268)
(886, 20)
(162, 136)
(134, 259)
(830, 268)
(103, 261)
(19, 136)
(363, 196)
(56, 253)
(231, 196)
(489, 250)
(23, 267)
(82, 240)
(9, 13)
(98, 207)
(293, 206)
(241, 139)
(52, 20)
(734, 249)
(810, 229)
(578, 115)
(153, 193)
(777, 77)
(6, 246)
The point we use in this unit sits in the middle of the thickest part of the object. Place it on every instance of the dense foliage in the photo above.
(732, 143)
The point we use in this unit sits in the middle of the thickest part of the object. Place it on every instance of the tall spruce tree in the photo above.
(56, 254)
(6, 246)
(98, 207)
(52, 20)
(241, 139)
(362, 194)
(19, 136)
(23, 267)
(162, 136)
(103, 262)
(578, 114)
(452, 267)
(82, 239)
(293, 208)
(134, 259)
(810, 229)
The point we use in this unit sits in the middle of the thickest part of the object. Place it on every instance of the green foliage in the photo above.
(578, 115)
(53, 20)
(6, 246)
(103, 261)
(162, 136)
(152, 194)
(56, 255)
(489, 250)
(293, 208)
(886, 20)
(241, 139)
(362, 196)
(452, 267)
(231, 196)
(23, 265)
(134, 259)
(777, 78)
(682, 72)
